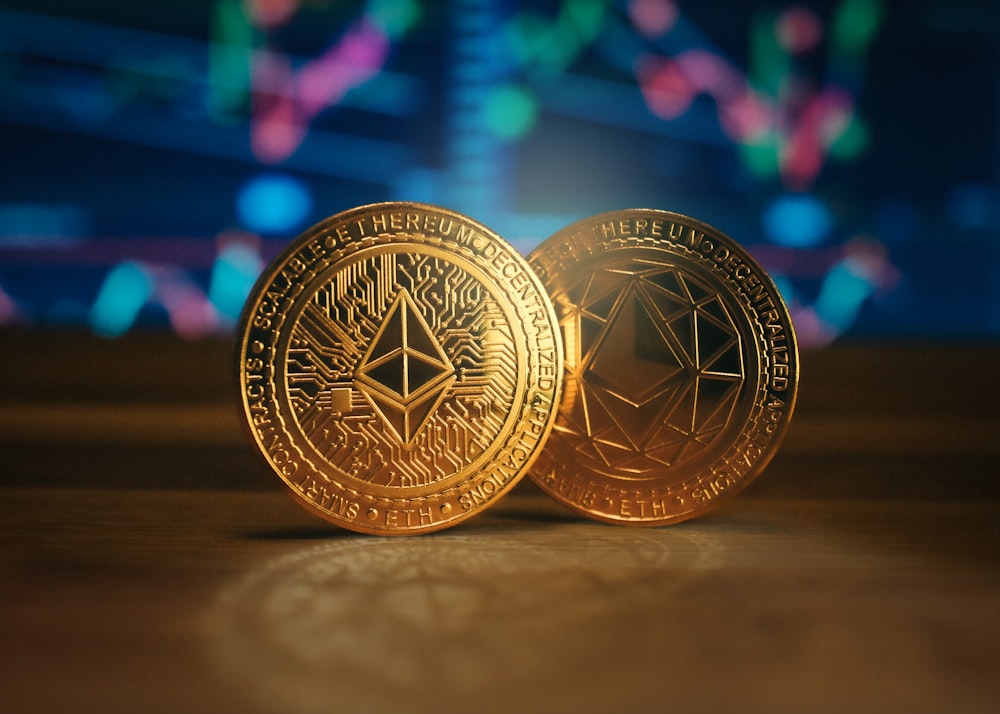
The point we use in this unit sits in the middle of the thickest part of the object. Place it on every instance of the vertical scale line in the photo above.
(478, 162)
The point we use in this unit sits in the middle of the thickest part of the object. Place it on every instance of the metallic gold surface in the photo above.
(681, 367)
(399, 368)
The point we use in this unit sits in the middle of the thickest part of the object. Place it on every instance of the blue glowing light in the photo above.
(841, 295)
(233, 275)
(798, 221)
(274, 203)
(125, 290)
(972, 205)
(785, 287)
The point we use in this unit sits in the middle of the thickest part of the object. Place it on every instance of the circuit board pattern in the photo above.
(401, 369)
(654, 367)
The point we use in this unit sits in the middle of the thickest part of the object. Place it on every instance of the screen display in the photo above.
(156, 156)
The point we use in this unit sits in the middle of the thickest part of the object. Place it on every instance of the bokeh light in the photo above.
(274, 203)
(798, 220)
(127, 288)
(205, 138)
(510, 112)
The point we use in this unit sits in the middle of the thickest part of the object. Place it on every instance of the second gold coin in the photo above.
(681, 367)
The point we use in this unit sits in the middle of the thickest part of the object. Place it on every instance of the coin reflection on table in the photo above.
(681, 367)
(398, 368)
(503, 619)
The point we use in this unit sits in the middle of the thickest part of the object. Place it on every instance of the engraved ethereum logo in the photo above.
(405, 374)
(660, 368)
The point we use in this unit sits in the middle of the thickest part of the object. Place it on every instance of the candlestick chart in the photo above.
(157, 156)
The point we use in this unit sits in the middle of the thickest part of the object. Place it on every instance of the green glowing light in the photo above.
(769, 63)
(395, 17)
(510, 112)
(556, 48)
(761, 157)
(550, 46)
(519, 36)
(855, 23)
(852, 142)
(584, 15)
(229, 60)
(538, 44)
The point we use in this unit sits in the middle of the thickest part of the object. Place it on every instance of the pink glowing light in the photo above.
(799, 30)
(271, 14)
(241, 239)
(670, 85)
(868, 258)
(821, 121)
(710, 74)
(10, 312)
(359, 57)
(192, 315)
(666, 90)
(811, 330)
(653, 18)
(838, 112)
(806, 122)
(803, 154)
(747, 117)
(275, 132)
(799, 121)
(286, 101)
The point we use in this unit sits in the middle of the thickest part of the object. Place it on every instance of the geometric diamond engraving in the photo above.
(680, 367)
(656, 366)
(632, 356)
(404, 374)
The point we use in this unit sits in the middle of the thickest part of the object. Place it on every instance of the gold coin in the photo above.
(681, 367)
(399, 368)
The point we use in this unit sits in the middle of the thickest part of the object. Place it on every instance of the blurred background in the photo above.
(154, 156)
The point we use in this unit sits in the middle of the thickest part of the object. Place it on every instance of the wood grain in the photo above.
(149, 563)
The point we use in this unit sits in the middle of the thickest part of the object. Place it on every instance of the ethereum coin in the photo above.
(681, 367)
(399, 368)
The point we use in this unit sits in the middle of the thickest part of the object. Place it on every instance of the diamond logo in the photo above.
(659, 371)
(405, 373)
(633, 357)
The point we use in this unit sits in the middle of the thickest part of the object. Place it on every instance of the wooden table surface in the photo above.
(149, 563)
